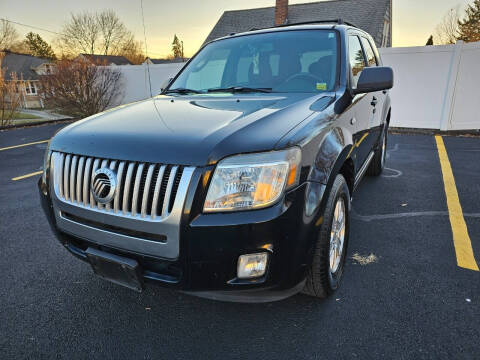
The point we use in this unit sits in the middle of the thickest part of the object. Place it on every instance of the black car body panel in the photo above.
(336, 131)
(210, 127)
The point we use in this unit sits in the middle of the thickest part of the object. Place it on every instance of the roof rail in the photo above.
(335, 21)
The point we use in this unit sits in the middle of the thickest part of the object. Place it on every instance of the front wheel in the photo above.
(326, 270)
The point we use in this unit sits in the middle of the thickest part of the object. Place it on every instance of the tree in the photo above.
(39, 47)
(133, 51)
(80, 88)
(8, 35)
(447, 31)
(177, 47)
(430, 41)
(10, 96)
(469, 26)
(94, 33)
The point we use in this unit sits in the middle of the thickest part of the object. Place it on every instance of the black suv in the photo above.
(235, 182)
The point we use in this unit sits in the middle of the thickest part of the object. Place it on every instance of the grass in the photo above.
(20, 115)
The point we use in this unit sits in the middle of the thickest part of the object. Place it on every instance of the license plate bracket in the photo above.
(117, 269)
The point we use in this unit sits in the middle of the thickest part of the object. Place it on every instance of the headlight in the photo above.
(252, 181)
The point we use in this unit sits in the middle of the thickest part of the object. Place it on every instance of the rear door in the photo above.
(362, 107)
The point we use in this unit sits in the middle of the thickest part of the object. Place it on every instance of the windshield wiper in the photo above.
(182, 91)
(235, 89)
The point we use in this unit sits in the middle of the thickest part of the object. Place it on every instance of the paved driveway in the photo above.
(414, 302)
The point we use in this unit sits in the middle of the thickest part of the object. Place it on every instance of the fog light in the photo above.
(252, 265)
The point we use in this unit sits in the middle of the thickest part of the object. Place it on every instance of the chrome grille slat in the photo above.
(86, 182)
(79, 177)
(116, 200)
(113, 165)
(61, 160)
(126, 193)
(166, 201)
(94, 168)
(66, 173)
(73, 173)
(145, 191)
(156, 191)
(136, 188)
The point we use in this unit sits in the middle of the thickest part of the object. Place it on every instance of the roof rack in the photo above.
(335, 21)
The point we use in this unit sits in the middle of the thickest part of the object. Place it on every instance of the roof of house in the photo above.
(167, 61)
(107, 59)
(368, 15)
(21, 64)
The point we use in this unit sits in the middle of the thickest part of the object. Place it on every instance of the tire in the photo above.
(324, 275)
(378, 162)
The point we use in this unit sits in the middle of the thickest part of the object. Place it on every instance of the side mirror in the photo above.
(165, 84)
(374, 79)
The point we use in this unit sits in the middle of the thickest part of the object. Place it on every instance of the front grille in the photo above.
(144, 190)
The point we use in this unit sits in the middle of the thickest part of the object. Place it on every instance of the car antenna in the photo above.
(146, 51)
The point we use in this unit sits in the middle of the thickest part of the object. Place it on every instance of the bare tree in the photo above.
(113, 32)
(10, 96)
(94, 33)
(80, 88)
(8, 35)
(447, 31)
(81, 34)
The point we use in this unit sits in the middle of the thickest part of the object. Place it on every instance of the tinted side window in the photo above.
(357, 60)
(371, 59)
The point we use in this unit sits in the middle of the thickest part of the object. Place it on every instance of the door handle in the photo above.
(353, 121)
(374, 101)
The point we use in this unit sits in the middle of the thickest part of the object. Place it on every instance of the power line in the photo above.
(31, 26)
(146, 51)
(57, 33)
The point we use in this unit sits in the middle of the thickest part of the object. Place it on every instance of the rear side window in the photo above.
(371, 59)
(356, 58)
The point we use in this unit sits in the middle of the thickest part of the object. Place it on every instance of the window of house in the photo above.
(371, 59)
(47, 68)
(30, 88)
(356, 58)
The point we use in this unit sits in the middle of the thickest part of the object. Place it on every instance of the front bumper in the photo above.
(210, 245)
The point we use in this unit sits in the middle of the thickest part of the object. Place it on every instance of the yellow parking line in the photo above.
(461, 239)
(22, 145)
(27, 176)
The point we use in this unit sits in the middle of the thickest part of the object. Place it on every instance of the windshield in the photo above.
(284, 61)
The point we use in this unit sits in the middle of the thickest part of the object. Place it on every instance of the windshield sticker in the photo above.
(322, 86)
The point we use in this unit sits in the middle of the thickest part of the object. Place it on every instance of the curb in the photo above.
(37, 123)
(414, 131)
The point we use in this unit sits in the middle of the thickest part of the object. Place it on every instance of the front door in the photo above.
(363, 104)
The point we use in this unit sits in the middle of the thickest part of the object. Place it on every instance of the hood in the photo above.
(187, 130)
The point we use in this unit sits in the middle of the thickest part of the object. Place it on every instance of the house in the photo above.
(373, 16)
(25, 70)
(151, 61)
(109, 60)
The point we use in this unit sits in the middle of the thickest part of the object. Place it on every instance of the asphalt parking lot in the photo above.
(413, 302)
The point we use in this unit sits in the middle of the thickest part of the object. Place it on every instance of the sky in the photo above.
(413, 20)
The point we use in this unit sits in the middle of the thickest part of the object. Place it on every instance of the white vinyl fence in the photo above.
(135, 79)
(436, 87)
